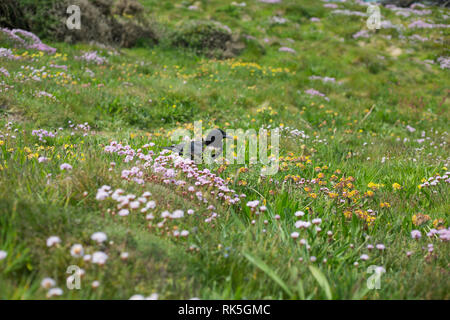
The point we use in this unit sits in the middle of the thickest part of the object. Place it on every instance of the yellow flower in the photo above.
(419, 219)
(396, 186)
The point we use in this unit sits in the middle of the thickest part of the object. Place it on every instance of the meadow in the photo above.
(364, 167)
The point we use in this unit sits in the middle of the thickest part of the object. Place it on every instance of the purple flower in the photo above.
(287, 49)
(65, 166)
(415, 234)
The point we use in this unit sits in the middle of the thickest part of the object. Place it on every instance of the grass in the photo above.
(142, 95)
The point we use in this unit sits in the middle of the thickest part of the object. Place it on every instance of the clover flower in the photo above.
(3, 254)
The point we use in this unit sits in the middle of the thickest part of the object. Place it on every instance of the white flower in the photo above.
(99, 237)
(3, 254)
(99, 257)
(53, 240)
(137, 297)
(364, 257)
(177, 214)
(77, 250)
(253, 204)
(317, 221)
(95, 284)
(101, 195)
(153, 296)
(134, 205)
(184, 233)
(124, 212)
(54, 292)
(87, 258)
(190, 211)
(48, 283)
(302, 224)
(124, 255)
(151, 205)
(299, 214)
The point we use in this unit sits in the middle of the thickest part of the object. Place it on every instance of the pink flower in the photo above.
(65, 166)
(415, 234)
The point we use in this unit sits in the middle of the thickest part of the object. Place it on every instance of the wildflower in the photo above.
(177, 214)
(124, 255)
(48, 283)
(124, 212)
(65, 166)
(369, 247)
(54, 292)
(356, 264)
(299, 214)
(408, 254)
(190, 212)
(87, 258)
(415, 234)
(42, 159)
(3, 254)
(252, 204)
(153, 296)
(99, 237)
(95, 284)
(396, 186)
(317, 221)
(294, 235)
(53, 240)
(380, 246)
(137, 297)
(313, 259)
(77, 250)
(287, 49)
(99, 257)
(364, 257)
(302, 224)
(184, 233)
(419, 219)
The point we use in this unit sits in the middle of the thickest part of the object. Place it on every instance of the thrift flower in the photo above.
(53, 240)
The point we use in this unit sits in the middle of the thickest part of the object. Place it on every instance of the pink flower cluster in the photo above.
(4, 72)
(8, 54)
(92, 56)
(27, 40)
(313, 92)
(323, 79)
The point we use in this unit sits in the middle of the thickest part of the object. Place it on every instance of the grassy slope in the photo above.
(233, 259)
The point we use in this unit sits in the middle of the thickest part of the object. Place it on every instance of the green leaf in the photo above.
(264, 267)
(322, 280)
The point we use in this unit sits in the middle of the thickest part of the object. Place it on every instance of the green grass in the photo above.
(142, 95)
